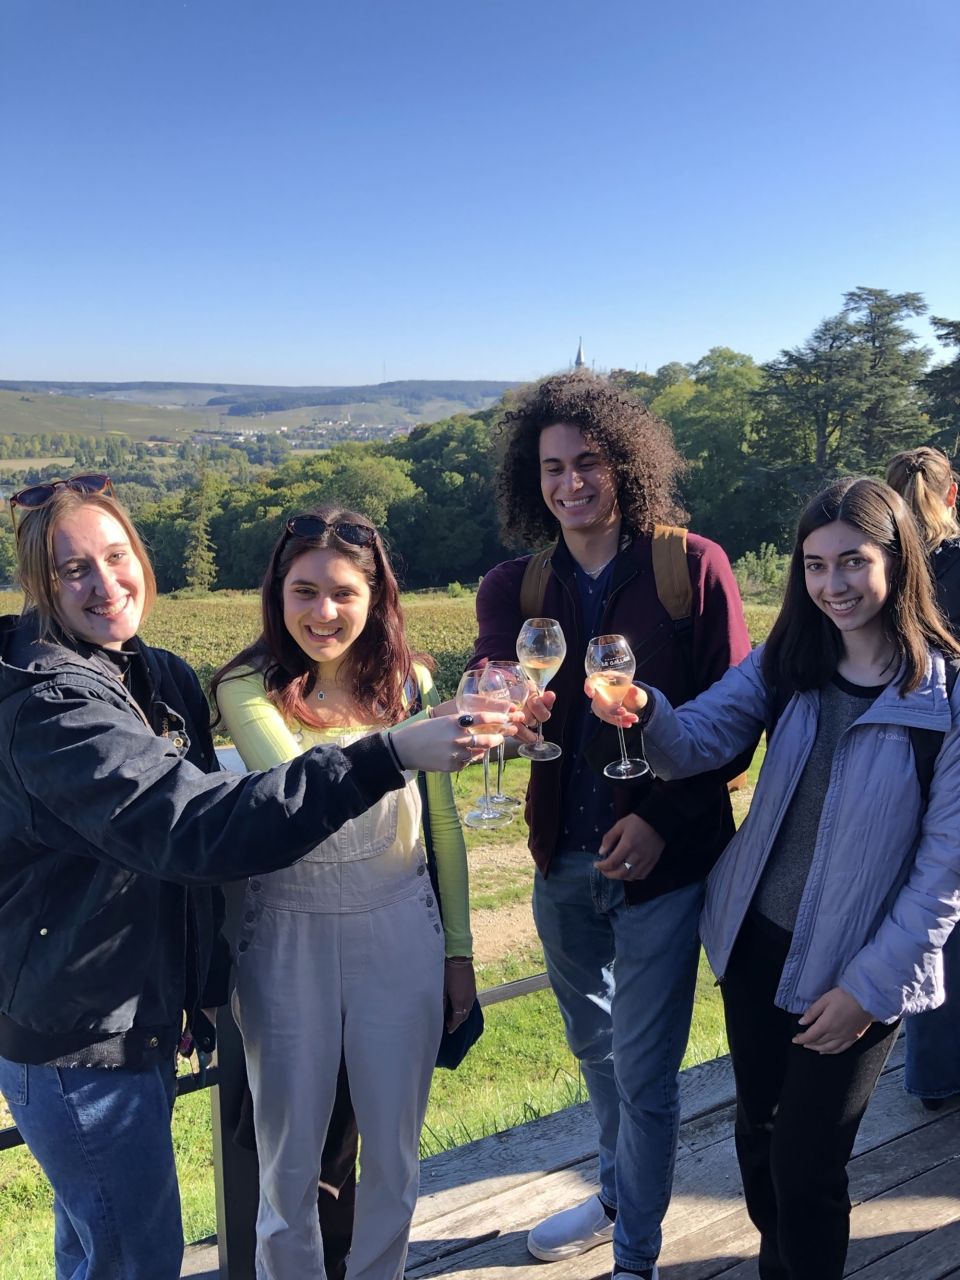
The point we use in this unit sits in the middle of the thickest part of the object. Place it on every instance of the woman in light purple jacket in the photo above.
(826, 915)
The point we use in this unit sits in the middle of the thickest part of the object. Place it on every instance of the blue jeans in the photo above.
(630, 1056)
(102, 1137)
(932, 1063)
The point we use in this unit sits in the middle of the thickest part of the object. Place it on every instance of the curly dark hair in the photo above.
(637, 444)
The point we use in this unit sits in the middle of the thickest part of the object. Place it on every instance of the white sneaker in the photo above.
(571, 1232)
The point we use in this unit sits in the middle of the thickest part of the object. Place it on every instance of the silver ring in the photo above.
(628, 865)
(473, 742)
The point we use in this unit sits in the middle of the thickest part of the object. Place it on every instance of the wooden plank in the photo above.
(707, 1232)
(931, 1257)
(898, 1195)
(485, 1168)
(200, 1261)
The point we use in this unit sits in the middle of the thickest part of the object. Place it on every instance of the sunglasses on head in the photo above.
(358, 535)
(36, 496)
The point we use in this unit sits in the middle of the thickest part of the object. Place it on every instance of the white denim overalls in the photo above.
(343, 948)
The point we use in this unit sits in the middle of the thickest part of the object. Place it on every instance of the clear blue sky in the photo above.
(302, 191)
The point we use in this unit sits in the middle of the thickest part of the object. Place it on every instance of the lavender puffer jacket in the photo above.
(883, 891)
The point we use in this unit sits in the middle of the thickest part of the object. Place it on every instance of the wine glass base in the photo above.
(541, 751)
(500, 801)
(626, 769)
(488, 819)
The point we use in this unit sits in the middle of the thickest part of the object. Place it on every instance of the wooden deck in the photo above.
(478, 1202)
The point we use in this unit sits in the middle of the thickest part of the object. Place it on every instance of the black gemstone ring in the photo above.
(465, 721)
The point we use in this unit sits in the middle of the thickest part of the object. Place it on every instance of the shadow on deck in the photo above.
(478, 1201)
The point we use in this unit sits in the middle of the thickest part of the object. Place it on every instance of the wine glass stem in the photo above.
(486, 781)
(623, 745)
(500, 770)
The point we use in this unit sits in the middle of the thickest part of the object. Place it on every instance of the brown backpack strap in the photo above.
(534, 585)
(672, 576)
(670, 572)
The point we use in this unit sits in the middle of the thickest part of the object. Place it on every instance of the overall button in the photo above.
(255, 886)
(243, 946)
(249, 916)
(153, 1042)
(421, 869)
(429, 902)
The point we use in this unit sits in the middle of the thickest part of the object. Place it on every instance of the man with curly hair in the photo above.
(619, 865)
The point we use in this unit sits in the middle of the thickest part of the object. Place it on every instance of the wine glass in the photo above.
(483, 691)
(541, 649)
(610, 664)
(517, 684)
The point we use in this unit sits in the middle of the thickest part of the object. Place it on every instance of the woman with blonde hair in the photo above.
(925, 479)
(115, 829)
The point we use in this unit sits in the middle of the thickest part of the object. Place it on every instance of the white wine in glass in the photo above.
(541, 649)
(610, 664)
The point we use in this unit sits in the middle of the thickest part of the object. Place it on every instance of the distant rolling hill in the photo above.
(177, 409)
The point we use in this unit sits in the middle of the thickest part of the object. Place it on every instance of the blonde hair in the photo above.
(923, 478)
(37, 564)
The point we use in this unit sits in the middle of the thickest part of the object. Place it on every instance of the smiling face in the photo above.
(847, 576)
(100, 592)
(326, 600)
(577, 483)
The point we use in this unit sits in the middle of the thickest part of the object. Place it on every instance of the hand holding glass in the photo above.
(541, 649)
(485, 693)
(610, 664)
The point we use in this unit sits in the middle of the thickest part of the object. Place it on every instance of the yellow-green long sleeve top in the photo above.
(264, 739)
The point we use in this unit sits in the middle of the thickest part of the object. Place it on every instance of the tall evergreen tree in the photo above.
(842, 402)
(199, 559)
(941, 389)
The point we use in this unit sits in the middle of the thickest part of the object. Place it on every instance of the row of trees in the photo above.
(758, 438)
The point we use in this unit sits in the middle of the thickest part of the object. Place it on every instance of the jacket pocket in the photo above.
(13, 1082)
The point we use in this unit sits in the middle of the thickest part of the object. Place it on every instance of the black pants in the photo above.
(798, 1112)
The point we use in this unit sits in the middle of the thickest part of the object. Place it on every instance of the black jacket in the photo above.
(945, 563)
(112, 832)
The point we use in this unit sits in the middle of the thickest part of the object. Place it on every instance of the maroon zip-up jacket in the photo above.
(693, 816)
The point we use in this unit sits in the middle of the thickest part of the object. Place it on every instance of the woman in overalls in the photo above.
(347, 950)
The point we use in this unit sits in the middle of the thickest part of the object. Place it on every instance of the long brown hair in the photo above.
(378, 662)
(923, 478)
(804, 647)
(635, 442)
(37, 563)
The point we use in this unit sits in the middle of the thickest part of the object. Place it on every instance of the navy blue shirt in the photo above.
(588, 796)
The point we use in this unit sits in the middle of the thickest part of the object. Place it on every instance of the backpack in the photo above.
(670, 573)
(672, 579)
(926, 743)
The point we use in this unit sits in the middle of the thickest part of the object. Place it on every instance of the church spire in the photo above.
(580, 362)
